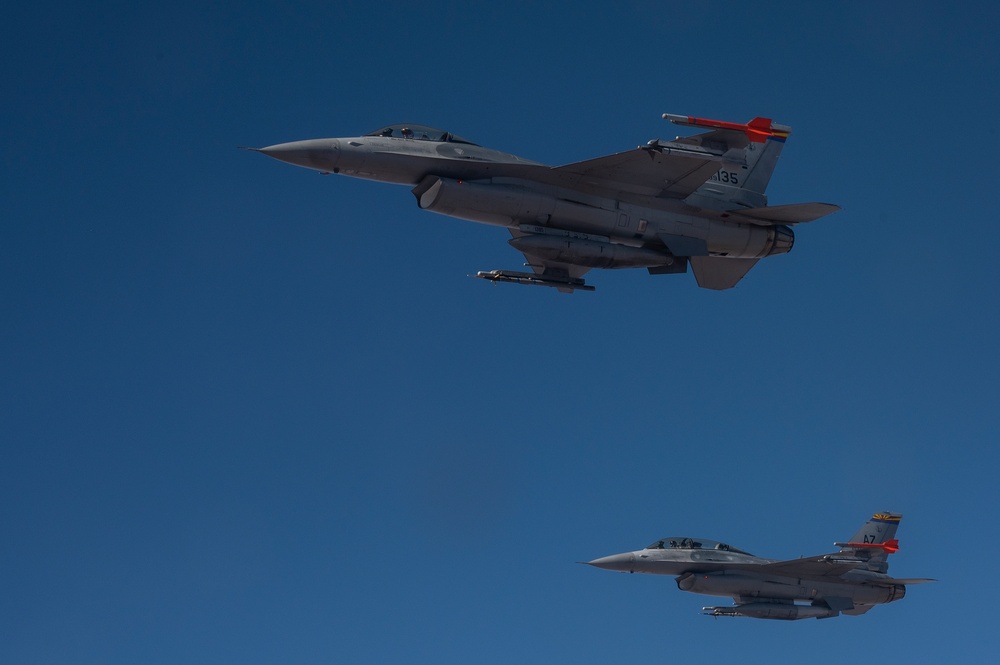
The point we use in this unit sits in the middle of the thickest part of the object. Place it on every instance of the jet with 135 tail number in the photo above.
(693, 201)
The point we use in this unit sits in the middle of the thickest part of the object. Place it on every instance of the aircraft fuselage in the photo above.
(736, 574)
(694, 201)
(488, 186)
(850, 581)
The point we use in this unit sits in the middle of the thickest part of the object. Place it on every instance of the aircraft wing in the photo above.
(812, 567)
(823, 567)
(722, 139)
(660, 170)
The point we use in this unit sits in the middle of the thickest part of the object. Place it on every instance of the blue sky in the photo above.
(253, 415)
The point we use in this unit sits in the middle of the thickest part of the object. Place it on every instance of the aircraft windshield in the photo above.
(419, 133)
(693, 544)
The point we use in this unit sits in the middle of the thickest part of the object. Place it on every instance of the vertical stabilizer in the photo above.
(875, 541)
(736, 185)
(761, 160)
(754, 149)
(880, 529)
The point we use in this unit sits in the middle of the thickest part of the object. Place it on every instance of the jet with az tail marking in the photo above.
(850, 581)
(696, 200)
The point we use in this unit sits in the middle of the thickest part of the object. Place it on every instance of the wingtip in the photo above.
(757, 130)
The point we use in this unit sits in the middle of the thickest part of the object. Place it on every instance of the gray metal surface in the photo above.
(850, 581)
(696, 200)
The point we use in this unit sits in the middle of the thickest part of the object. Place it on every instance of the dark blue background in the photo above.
(252, 415)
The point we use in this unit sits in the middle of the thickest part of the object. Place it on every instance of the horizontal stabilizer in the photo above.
(909, 580)
(795, 213)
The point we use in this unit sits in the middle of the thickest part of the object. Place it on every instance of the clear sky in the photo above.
(255, 415)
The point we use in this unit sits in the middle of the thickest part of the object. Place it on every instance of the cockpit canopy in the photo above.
(419, 133)
(684, 543)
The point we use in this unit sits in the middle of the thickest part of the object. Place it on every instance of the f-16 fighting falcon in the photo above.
(695, 200)
(850, 581)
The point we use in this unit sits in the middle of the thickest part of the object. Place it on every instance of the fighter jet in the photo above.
(850, 581)
(695, 200)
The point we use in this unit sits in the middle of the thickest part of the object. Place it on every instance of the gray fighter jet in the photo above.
(695, 200)
(850, 581)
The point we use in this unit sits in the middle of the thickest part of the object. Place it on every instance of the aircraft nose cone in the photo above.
(620, 562)
(319, 154)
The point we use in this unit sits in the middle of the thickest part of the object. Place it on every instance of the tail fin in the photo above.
(875, 541)
(761, 160)
(754, 149)
(879, 530)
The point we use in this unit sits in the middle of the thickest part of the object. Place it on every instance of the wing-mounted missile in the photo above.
(889, 546)
(534, 279)
(757, 130)
(780, 611)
